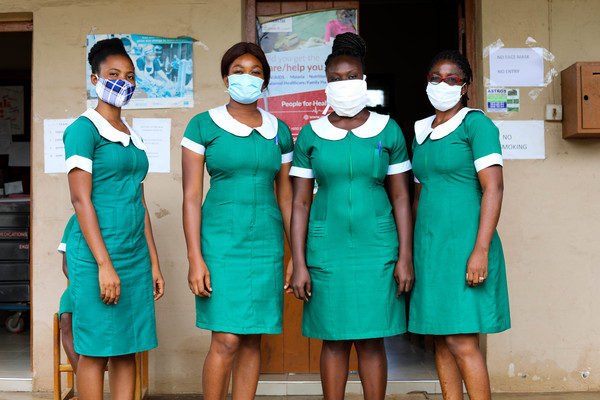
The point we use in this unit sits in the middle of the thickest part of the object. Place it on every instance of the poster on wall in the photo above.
(296, 48)
(163, 71)
(517, 67)
(12, 109)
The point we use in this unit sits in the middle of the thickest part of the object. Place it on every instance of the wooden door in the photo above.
(290, 352)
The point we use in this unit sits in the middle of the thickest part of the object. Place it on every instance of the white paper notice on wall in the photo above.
(517, 67)
(522, 140)
(156, 133)
(54, 149)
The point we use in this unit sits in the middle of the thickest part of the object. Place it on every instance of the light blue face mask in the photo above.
(244, 88)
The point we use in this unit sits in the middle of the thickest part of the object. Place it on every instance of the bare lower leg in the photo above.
(471, 363)
(90, 377)
(448, 372)
(372, 367)
(218, 365)
(246, 368)
(67, 339)
(121, 376)
(335, 356)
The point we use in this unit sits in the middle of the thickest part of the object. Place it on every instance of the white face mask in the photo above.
(347, 98)
(443, 96)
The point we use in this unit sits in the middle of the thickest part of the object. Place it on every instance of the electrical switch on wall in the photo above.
(553, 112)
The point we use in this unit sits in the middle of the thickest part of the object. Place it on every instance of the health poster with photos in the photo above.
(296, 48)
(163, 71)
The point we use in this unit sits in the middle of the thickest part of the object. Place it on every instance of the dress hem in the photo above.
(368, 335)
(459, 331)
(118, 353)
(239, 330)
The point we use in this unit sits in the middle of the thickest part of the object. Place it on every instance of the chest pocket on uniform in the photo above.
(380, 164)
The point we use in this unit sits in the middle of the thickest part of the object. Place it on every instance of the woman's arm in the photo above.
(283, 190)
(399, 197)
(491, 202)
(302, 200)
(157, 278)
(193, 183)
(80, 185)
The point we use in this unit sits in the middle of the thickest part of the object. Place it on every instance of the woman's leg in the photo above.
(448, 372)
(66, 327)
(465, 349)
(218, 365)
(90, 377)
(121, 377)
(246, 368)
(335, 356)
(372, 367)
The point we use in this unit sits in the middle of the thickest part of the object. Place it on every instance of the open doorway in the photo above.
(15, 138)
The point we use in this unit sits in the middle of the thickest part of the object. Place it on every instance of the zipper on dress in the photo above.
(134, 205)
(350, 189)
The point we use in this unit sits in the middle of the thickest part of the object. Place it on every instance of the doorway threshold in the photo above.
(16, 385)
(310, 385)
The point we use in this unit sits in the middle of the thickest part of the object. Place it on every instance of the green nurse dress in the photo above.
(242, 229)
(352, 240)
(446, 161)
(65, 300)
(118, 165)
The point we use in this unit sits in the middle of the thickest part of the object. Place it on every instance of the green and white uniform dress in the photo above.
(65, 300)
(118, 164)
(446, 161)
(242, 229)
(352, 240)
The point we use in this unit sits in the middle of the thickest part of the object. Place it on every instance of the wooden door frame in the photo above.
(472, 15)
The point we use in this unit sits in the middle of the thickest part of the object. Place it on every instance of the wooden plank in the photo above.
(268, 8)
(16, 26)
(345, 4)
(318, 5)
(293, 6)
(250, 21)
(471, 49)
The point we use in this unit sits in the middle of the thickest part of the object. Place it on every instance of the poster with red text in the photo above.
(296, 48)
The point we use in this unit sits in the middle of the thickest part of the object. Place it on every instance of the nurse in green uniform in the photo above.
(460, 280)
(235, 239)
(65, 311)
(352, 245)
(113, 265)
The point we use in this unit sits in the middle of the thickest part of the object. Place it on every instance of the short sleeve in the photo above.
(484, 138)
(80, 141)
(286, 142)
(399, 161)
(301, 165)
(62, 247)
(193, 138)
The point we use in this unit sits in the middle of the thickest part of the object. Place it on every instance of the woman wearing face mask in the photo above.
(235, 239)
(352, 245)
(113, 265)
(460, 286)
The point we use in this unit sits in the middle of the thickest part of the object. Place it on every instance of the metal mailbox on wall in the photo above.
(580, 86)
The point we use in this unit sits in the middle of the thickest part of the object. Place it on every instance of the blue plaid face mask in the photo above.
(116, 92)
(244, 88)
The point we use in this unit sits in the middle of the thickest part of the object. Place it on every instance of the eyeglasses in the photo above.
(451, 80)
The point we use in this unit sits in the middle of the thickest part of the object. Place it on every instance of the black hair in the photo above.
(461, 62)
(348, 44)
(103, 49)
(238, 50)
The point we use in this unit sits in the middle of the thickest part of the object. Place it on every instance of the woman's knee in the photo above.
(250, 341)
(225, 343)
(335, 347)
(462, 345)
(370, 346)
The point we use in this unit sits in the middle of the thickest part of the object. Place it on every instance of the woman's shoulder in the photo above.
(476, 119)
(81, 125)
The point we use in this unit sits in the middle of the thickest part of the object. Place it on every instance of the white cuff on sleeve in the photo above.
(193, 146)
(302, 172)
(287, 157)
(399, 168)
(416, 180)
(62, 248)
(79, 162)
(488, 161)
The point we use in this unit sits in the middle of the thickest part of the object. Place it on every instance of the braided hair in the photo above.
(103, 49)
(348, 44)
(461, 62)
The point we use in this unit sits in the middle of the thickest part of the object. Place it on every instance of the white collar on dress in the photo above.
(373, 126)
(423, 127)
(225, 121)
(108, 132)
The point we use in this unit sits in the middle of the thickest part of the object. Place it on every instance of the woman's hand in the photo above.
(301, 283)
(404, 274)
(110, 284)
(477, 267)
(199, 279)
(289, 271)
(158, 283)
